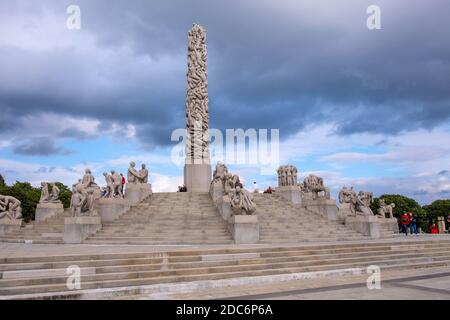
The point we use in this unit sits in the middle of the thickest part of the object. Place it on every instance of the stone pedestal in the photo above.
(366, 225)
(224, 206)
(325, 207)
(8, 225)
(110, 209)
(441, 224)
(47, 210)
(290, 193)
(197, 177)
(390, 224)
(245, 229)
(136, 192)
(77, 229)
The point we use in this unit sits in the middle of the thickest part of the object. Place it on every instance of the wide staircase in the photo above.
(281, 221)
(128, 273)
(192, 218)
(167, 218)
(42, 232)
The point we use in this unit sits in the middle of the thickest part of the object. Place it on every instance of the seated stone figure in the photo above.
(82, 202)
(10, 207)
(386, 210)
(135, 176)
(49, 197)
(363, 201)
(348, 196)
(242, 202)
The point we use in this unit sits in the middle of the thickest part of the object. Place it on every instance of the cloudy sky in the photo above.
(369, 108)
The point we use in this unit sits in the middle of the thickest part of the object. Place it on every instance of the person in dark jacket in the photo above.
(412, 224)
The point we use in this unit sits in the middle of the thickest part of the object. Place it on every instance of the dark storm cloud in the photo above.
(271, 65)
(39, 147)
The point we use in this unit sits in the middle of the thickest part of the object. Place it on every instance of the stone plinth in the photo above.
(224, 206)
(47, 210)
(197, 177)
(390, 224)
(110, 209)
(366, 225)
(136, 192)
(441, 224)
(245, 229)
(325, 207)
(9, 225)
(290, 193)
(77, 229)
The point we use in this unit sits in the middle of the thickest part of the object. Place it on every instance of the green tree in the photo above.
(28, 196)
(403, 204)
(439, 208)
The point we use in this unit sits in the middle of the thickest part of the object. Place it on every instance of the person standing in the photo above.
(404, 220)
(412, 224)
(434, 229)
(123, 181)
(448, 224)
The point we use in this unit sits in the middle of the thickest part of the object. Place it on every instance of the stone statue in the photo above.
(143, 174)
(197, 149)
(242, 202)
(45, 196)
(287, 176)
(54, 195)
(314, 185)
(135, 176)
(386, 210)
(363, 201)
(109, 190)
(88, 180)
(82, 202)
(117, 183)
(84, 194)
(10, 207)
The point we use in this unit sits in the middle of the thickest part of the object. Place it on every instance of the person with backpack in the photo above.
(404, 220)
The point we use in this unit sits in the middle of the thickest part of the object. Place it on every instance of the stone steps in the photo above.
(44, 274)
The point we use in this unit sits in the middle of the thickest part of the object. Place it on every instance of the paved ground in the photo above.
(35, 250)
(430, 284)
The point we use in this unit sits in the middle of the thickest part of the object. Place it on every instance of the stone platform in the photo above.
(37, 271)
(47, 210)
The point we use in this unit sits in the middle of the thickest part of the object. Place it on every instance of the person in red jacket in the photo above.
(434, 229)
(404, 220)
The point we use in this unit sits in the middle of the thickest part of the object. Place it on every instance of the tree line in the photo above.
(29, 197)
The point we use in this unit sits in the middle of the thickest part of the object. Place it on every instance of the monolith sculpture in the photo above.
(197, 169)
